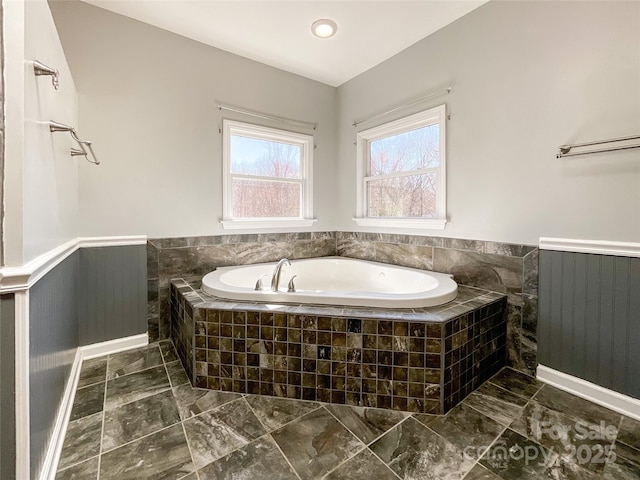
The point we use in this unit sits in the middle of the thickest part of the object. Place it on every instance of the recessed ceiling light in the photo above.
(324, 28)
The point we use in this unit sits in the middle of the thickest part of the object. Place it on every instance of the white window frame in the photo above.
(436, 115)
(232, 127)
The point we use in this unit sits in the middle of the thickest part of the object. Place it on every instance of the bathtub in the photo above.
(334, 281)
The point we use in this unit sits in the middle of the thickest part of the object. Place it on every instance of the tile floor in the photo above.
(135, 416)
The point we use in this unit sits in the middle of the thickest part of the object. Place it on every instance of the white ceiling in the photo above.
(278, 33)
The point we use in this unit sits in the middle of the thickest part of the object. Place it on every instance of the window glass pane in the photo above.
(406, 151)
(256, 198)
(407, 196)
(250, 156)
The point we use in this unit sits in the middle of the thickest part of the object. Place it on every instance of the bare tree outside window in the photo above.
(266, 178)
(407, 165)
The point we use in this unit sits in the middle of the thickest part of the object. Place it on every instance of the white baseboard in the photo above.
(114, 346)
(50, 465)
(618, 402)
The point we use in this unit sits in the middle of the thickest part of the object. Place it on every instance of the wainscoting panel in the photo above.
(53, 340)
(589, 319)
(113, 293)
(7, 387)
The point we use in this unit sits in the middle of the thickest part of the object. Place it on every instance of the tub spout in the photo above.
(275, 278)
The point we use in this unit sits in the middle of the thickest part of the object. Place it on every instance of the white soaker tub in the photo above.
(335, 281)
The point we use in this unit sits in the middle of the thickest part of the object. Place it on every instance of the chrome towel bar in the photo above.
(564, 150)
(61, 127)
(40, 69)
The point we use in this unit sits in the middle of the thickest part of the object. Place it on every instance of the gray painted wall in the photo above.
(7, 387)
(163, 127)
(589, 320)
(112, 296)
(53, 338)
(529, 76)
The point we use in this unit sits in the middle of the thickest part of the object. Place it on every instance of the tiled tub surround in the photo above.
(507, 268)
(421, 360)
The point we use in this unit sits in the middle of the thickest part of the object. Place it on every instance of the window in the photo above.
(401, 172)
(267, 177)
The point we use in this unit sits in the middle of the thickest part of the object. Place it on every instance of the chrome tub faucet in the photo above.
(275, 278)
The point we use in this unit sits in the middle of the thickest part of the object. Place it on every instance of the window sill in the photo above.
(418, 223)
(268, 223)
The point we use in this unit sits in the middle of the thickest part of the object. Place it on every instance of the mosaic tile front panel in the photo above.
(403, 363)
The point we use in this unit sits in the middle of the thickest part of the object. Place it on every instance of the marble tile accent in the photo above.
(93, 371)
(133, 361)
(478, 472)
(259, 459)
(194, 261)
(136, 386)
(628, 441)
(565, 436)
(466, 428)
(168, 351)
(276, 412)
(514, 337)
(191, 476)
(529, 334)
(412, 450)
(315, 443)
(194, 401)
(504, 458)
(220, 431)
(621, 469)
(516, 382)
(498, 273)
(414, 256)
(87, 470)
(164, 454)
(496, 402)
(364, 466)
(262, 252)
(508, 249)
(576, 408)
(152, 260)
(567, 469)
(133, 420)
(321, 247)
(530, 270)
(366, 423)
(463, 244)
(82, 440)
(468, 293)
(177, 375)
(88, 400)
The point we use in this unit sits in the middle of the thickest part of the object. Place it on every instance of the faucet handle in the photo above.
(292, 287)
(259, 285)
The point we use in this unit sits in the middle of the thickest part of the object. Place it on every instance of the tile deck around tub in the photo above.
(186, 433)
(422, 360)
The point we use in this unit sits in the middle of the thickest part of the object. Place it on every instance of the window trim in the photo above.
(233, 127)
(411, 122)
